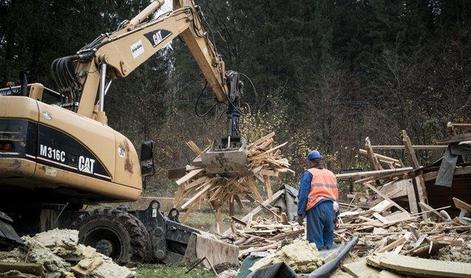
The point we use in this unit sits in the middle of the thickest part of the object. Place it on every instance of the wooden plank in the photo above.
(262, 139)
(420, 240)
(87, 266)
(398, 216)
(413, 207)
(196, 196)
(380, 218)
(194, 148)
(461, 204)
(392, 245)
(189, 176)
(428, 208)
(385, 197)
(238, 221)
(415, 147)
(374, 162)
(258, 156)
(381, 157)
(268, 187)
(359, 269)
(381, 206)
(373, 260)
(256, 210)
(396, 189)
(424, 267)
(421, 189)
(410, 150)
(372, 173)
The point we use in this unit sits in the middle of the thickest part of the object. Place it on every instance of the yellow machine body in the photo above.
(79, 158)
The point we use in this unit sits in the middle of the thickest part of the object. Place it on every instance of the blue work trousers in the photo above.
(320, 224)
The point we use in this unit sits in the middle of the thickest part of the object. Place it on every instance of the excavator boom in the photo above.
(117, 54)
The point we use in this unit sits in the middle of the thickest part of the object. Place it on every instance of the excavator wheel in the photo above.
(114, 233)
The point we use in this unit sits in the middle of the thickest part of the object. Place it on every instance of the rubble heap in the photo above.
(265, 234)
(382, 230)
(301, 256)
(57, 253)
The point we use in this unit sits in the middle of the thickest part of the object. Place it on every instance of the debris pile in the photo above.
(57, 253)
(394, 265)
(265, 234)
(381, 230)
(265, 161)
(301, 256)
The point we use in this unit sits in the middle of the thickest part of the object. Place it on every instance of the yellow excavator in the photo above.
(57, 152)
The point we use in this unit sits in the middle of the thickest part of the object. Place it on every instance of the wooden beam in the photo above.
(197, 195)
(189, 176)
(415, 147)
(413, 207)
(410, 150)
(396, 189)
(256, 210)
(374, 162)
(415, 163)
(373, 173)
(427, 208)
(414, 266)
(385, 197)
(463, 206)
(381, 157)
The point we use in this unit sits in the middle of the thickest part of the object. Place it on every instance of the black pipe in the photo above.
(326, 269)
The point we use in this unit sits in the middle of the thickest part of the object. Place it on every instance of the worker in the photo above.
(317, 201)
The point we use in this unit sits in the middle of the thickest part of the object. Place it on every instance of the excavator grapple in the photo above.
(229, 162)
(229, 158)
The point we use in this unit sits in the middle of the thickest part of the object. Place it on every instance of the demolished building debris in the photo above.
(396, 212)
(57, 253)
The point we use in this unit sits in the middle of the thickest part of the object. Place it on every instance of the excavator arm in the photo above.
(118, 54)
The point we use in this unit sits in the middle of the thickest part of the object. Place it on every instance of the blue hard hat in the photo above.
(314, 155)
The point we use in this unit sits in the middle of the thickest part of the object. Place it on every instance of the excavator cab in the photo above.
(229, 158)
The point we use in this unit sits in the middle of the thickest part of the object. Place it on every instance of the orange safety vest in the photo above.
(323, 186)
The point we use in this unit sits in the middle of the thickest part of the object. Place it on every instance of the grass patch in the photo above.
(152, 271)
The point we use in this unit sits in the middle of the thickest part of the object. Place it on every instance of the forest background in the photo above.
(327, 73)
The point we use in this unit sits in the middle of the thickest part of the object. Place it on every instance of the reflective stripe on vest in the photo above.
(323, 186)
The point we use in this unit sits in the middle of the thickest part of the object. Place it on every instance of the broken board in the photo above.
(424, 267)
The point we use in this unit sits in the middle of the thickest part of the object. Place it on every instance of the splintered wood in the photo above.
(196, 188)
(384, 228)
(264, 234)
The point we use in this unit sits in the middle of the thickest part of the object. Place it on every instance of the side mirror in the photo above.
(147, 158)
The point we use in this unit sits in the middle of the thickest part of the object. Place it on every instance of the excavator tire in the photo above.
(114, 233)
